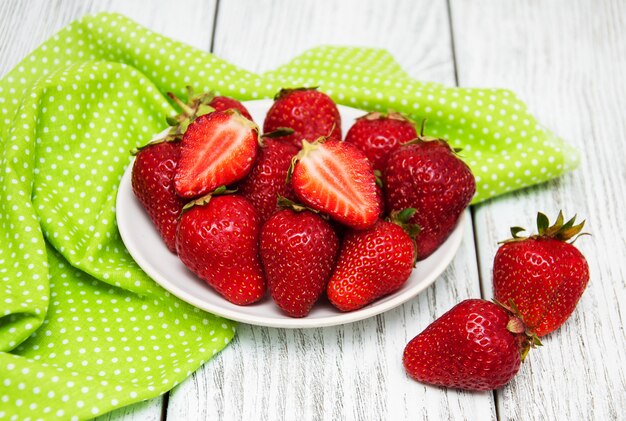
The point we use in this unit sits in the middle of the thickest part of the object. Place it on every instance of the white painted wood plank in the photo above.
(353, 371)
(567, 59)
(28, 23)
(262, 35)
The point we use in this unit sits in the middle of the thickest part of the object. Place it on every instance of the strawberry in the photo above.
(309, 112)
(298, 250)
(223, 103)
(153, 184)
(217, 239)
(477, 345)
(427, 175)
(336, 178)
(373, 263)
(378, 134)
(543, 275)
(267, 180)
(217, 149)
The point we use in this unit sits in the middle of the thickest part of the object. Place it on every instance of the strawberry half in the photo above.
(217, 149)
(373, 263)
(298, 250)
(543, 275)
(337, 179)
(477, 345)
(217, 239)
(309, 112)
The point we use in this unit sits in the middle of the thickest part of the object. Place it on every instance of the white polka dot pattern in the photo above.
(82, 329)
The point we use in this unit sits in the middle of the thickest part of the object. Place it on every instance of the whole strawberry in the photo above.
(217, 239)
(427, 175)
(217, 149)
(153, 185)
(477, 345)
(223, 103)
(373, 263)
(543, 275)
(267, 180)
(298, 250)
(309, 112)
(337, 179)
(378, 134)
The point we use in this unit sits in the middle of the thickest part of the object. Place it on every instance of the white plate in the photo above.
(144, 244)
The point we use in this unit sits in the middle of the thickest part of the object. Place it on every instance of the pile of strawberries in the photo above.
(298, 210)
(301, 212)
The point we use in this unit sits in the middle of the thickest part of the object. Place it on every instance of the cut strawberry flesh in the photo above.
(336, 178)
(217, 149)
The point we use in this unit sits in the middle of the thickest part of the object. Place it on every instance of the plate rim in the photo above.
(125, 187)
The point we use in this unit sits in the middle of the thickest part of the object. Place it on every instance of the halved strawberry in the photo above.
(217, 149)
(336, 178)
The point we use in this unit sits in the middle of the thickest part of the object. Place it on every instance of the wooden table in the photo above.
(565, 58)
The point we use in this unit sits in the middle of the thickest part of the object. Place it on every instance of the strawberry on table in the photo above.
(543, 275)
(373, 263)
(153, 185)
(298, 250)
(217, 149)
(217, 239)
(477, 345)
(378, 134)
(427, 175)
(336, 178)
(309, 112)
(267, 180)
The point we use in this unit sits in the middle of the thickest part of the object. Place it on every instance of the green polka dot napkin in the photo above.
(82, 329)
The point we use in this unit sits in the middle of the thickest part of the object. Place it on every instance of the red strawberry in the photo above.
(153, 184)
(218, 241)
(223, 103)
(298, 249)
(428, 176)
(543, 275)
(378, 134)
(336, 178)
(477, 345)
(310, 113)
(267, 180)
(373, 263)
(218, 149)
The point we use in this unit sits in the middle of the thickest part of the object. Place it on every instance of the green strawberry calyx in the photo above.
(422, 138)
(279, 132)
(401, 218)
(204, 200)
(196, 106)
(284, 203)
(560, 230)
(286, 91)
(390, 114)
(527, 339)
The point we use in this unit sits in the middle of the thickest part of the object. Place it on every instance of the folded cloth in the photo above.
(82, 329)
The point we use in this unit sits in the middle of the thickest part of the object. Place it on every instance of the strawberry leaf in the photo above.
(542, 223)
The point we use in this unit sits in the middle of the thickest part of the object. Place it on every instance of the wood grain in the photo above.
(354, 371)
(566, 59)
